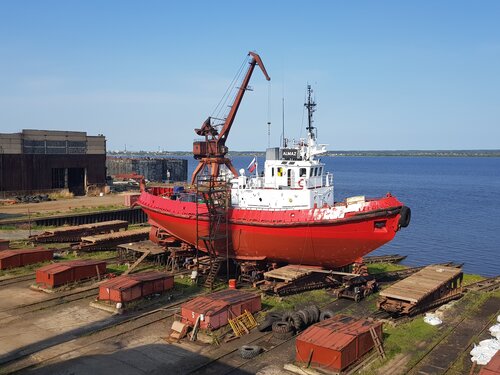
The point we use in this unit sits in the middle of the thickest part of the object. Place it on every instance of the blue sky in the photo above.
(386, 74)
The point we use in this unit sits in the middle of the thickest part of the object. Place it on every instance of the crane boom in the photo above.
(256, 60)
(212, 151)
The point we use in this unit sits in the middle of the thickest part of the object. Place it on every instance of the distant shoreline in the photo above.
(397, 153)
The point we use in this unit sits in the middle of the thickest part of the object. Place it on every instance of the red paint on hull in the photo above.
(291, 236)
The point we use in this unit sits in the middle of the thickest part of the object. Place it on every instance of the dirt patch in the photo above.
(60, 206)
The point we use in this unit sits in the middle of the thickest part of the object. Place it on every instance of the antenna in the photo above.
(311, 107)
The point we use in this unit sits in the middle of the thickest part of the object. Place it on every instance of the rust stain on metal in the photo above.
(337, 342)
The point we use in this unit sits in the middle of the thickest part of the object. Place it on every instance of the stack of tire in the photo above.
(285, 324)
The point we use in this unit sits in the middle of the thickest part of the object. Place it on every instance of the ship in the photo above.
(284, 214)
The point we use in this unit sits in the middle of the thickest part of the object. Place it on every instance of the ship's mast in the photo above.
(311, 108)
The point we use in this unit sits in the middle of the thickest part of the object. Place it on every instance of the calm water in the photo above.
(455, 205)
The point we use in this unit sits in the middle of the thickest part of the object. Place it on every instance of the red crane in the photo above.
(212, 151)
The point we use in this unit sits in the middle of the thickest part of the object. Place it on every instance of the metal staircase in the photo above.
(212, 225)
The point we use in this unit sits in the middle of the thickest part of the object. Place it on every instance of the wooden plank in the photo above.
(421, 284)
(288, 273)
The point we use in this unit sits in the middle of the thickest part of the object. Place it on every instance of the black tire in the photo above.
(249, 351)
(405, 217)
(283, 336)
(326, 314)
(274, 316)
(298, 323)
(305, 317)
(357, 297)
(287, 316)
(313, 313)
(266, 325)
(282, 327)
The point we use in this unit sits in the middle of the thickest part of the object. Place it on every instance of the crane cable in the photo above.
(269, 114)
(222, 102)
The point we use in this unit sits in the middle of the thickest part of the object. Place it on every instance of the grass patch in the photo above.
(384, 267)
(471, 279)
(100, 208)
(116, 268)
(184, 284)
(8, 227)
(97, 255)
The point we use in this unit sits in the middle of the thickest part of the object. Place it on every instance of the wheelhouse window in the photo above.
(302, 172)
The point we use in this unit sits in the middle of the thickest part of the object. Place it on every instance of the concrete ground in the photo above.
(15, 295)
(33, 331)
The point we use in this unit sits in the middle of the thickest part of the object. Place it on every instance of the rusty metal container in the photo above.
(132, 287)
(493, 366)
(54, 275)
(336, 343)
(23, 257)
(217, 308)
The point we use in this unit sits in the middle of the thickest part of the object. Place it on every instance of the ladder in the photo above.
(215, 265)
(243, 323)
(137, 262)
(377, 343)
(216, 195)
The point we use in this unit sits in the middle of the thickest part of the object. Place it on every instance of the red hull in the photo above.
(291, 236)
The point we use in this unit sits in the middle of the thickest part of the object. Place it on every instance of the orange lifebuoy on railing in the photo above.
(301, 183)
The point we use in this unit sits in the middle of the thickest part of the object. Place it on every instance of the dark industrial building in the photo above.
(153, 169)
(45, 161)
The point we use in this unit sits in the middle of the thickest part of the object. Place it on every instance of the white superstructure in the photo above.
(292, 179)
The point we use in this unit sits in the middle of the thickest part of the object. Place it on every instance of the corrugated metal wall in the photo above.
(34, 172)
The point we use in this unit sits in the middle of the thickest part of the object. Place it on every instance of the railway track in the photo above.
(487, 285)
(17, 279)
(393, 258)
(266, 341)
(52, 302)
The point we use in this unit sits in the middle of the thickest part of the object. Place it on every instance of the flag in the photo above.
(253, 164)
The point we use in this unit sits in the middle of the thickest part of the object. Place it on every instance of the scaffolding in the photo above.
(214, 237)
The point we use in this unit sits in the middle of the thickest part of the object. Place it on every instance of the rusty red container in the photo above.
(132, 287)
(232, 283)
(54, 275)
(24, 257)
(493, 366)
(336, 343)
(216, 308)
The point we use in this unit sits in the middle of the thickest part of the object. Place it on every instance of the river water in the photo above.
(455, 204)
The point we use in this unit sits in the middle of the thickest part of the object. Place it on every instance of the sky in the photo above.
(386, 75)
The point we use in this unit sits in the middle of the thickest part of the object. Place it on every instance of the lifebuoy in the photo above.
(300, 183)
(405, 217)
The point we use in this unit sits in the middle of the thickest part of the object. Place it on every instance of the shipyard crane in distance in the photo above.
(212, 151)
